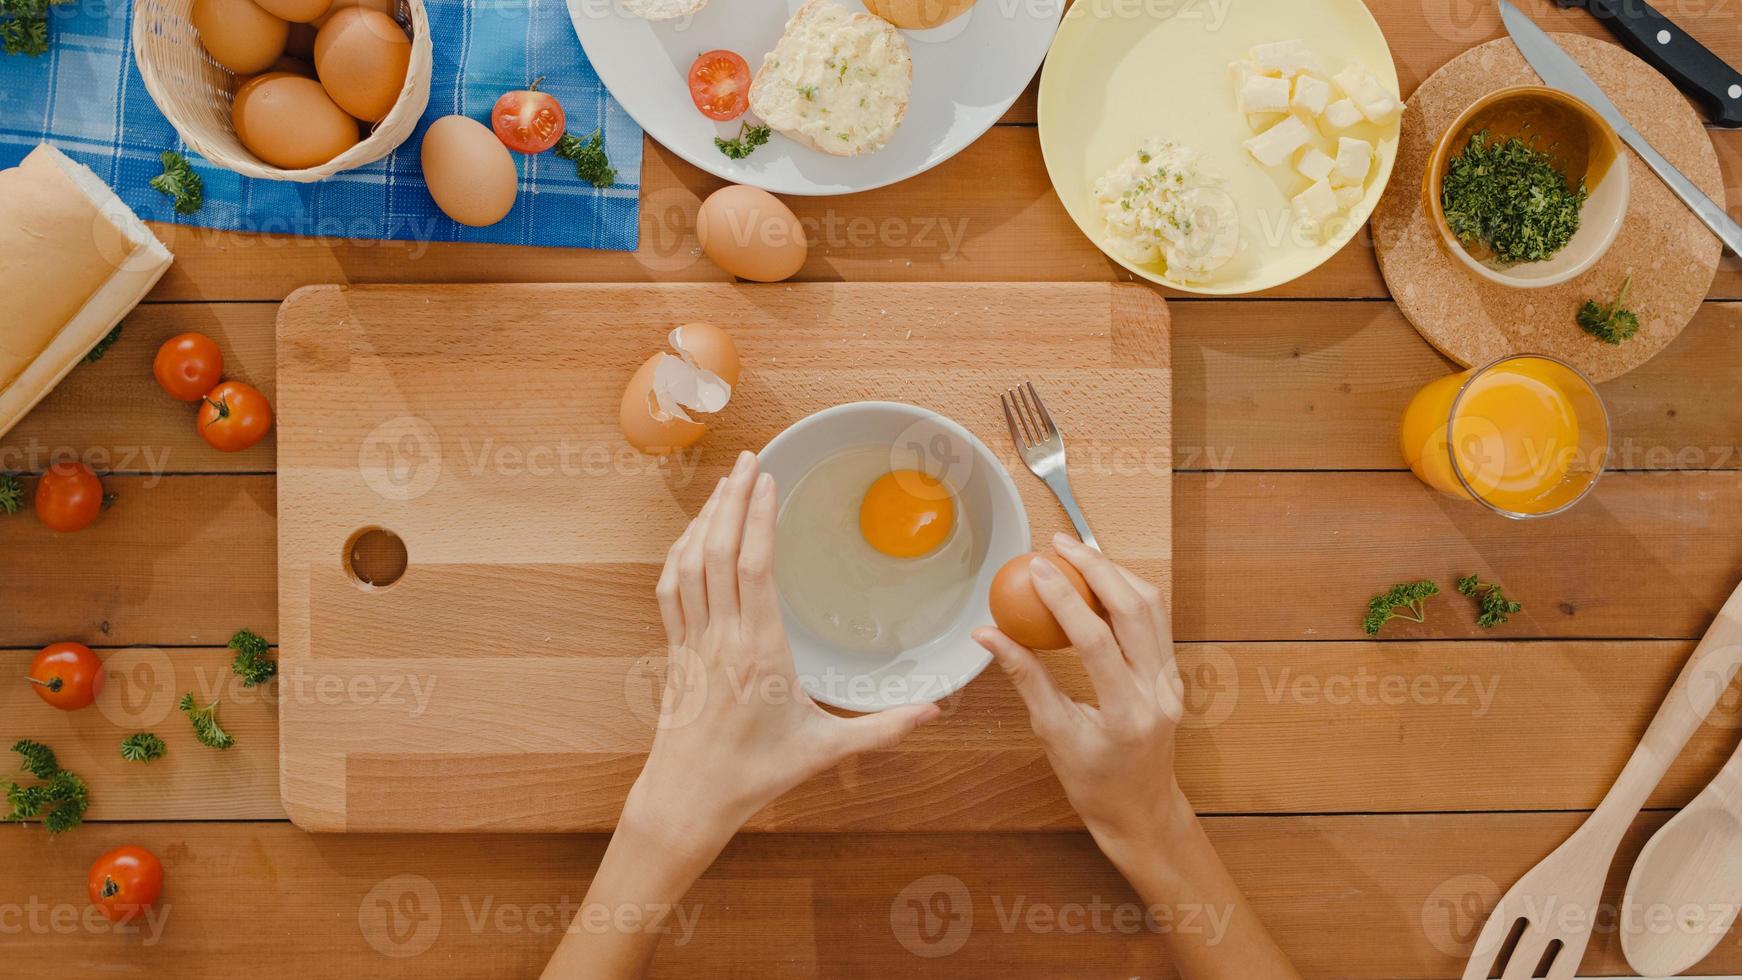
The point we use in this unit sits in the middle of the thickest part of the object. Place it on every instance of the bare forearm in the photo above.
(1210, 930)
(635, 898)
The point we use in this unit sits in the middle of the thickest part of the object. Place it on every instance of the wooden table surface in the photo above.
(1372, 797)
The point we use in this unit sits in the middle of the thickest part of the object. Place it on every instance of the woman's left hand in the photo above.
(736, 730)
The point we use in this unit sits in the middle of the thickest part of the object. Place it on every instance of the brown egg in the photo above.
(388, 7)
(1018, 610)
(361, 57)
(238, 34)
(468, 171)
(749, 233)
(300, 11)
(245, 86)
(288, 121)
(918, 15)
(301, 44)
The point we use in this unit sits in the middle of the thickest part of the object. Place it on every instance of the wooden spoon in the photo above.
(1686, 887)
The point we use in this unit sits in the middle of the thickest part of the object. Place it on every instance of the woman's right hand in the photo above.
(1115, 759)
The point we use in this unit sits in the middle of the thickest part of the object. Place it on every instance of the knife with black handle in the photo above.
(1704, 76)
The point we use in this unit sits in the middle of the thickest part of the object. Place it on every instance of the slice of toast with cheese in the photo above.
(838, 81)
(76, 260)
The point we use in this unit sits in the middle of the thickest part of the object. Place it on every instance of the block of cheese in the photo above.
(75, 260)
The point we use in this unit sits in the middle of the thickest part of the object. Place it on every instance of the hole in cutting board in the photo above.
(375, 558)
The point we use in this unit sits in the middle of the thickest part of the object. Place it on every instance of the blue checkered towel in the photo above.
(86, 97)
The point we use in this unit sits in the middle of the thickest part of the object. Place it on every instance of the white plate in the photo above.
(966, 73)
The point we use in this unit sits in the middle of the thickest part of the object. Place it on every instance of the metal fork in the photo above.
(1042, 447)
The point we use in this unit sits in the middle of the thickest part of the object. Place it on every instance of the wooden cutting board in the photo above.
(509, 679)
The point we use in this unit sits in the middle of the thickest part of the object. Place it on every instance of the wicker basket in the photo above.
(195, 92)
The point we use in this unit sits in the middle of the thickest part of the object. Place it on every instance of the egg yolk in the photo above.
(907, 514)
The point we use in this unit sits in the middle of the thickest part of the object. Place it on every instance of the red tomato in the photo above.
(67, 675)
(187, 366)
(720, 85)
(68, 497)
(125, 882)
(234, 417)
(527, 120)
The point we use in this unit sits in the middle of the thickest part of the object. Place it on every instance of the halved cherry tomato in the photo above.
(68, 497)
(720, 85)
(234, 417)
(187, 366)
(125, 882)
(67, 675)
(527, 120)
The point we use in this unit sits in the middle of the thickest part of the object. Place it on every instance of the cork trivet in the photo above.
(1671, 256)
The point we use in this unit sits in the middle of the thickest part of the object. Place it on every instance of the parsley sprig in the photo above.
(24, 26)
(1611, 323)
(178, 181)
(1508, 195)
(1405, 600)
(1493, 606)
(591, 164)
(96, 353)
(205, 722)
(61, 797)
(142, 747)
(11, 494)
(252, 662)
(749, 138)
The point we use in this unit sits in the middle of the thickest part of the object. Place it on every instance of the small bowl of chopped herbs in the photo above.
(1528, 187)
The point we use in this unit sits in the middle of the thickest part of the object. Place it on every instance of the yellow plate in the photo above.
(1121, 71)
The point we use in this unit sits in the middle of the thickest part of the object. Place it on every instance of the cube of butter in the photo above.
(1285, 57)
(1261, 93)
(1317, 202)
(1310, 93)
(1315, 164)
(1371, 98)
(1348, 197)
(1354, 159)
(1341, 114)
(1273, 146)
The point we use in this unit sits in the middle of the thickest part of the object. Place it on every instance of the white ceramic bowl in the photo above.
(917, 439)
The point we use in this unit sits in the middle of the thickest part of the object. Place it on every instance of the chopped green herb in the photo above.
(11, 494)
(252, 662)
(1404, 600)
(24, 26)
(142, 747)
(206, 723)
(591, 163)
(1612, 323)
(1494, 607)
(178, 181)
(809, 92)
(60, 799)
(96, 353)
(749, 138)
(1508, 196)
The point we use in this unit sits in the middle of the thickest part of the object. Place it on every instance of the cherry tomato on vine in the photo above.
(187, 366)
(720, 85)
(235, 416)
(67, 675)
(125, 882)
(68, 497)
(527, 120)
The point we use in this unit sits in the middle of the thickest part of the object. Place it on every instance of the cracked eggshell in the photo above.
(667, 393)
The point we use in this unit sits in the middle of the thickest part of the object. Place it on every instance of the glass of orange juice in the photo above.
(1527, 435)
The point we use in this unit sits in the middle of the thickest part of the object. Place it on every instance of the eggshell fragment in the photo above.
(361, 57)
(468, 171)
(665, 394)
(1017, 608)
(238, 34)
(749, 233)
